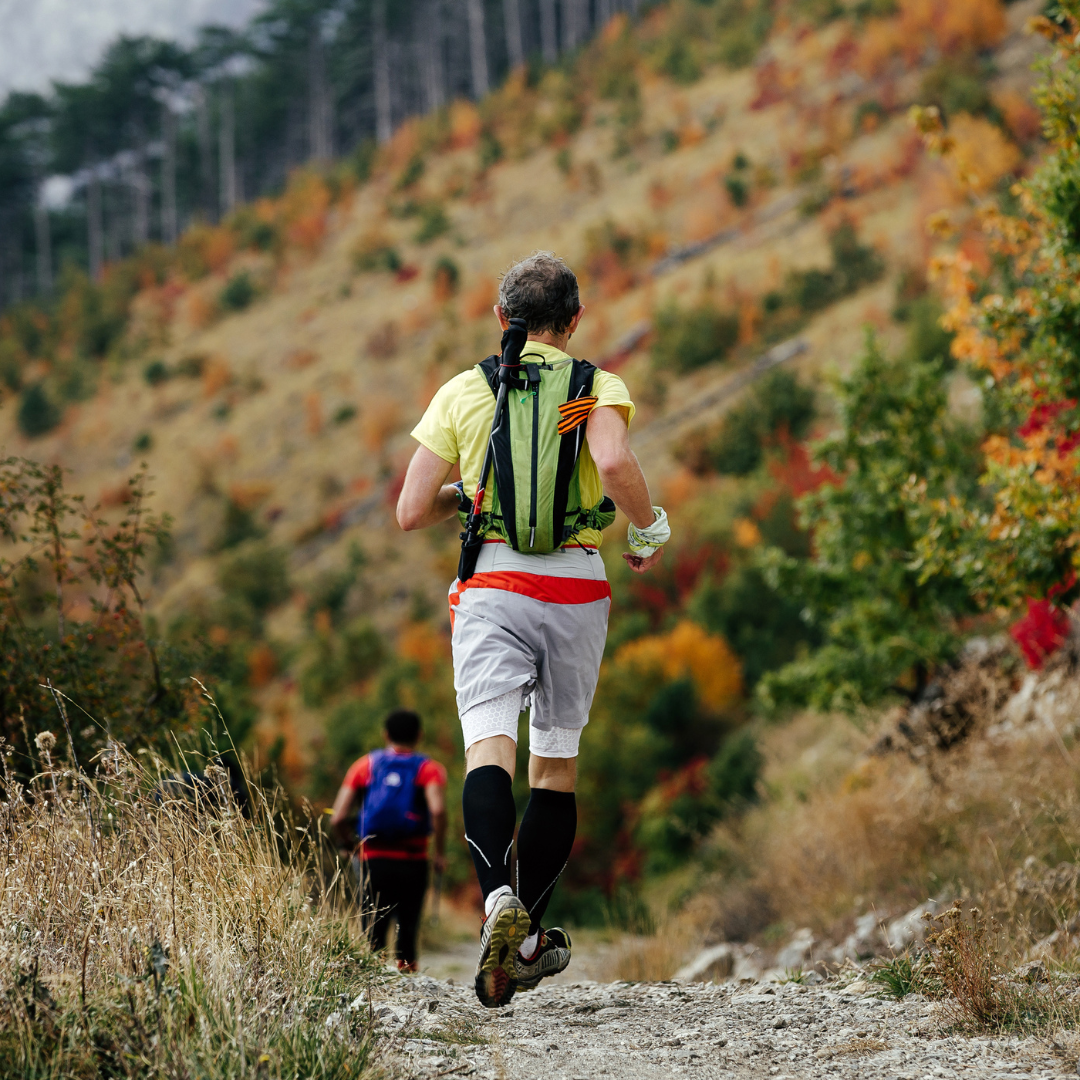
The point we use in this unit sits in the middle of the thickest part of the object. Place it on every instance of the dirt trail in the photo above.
(647, 1031)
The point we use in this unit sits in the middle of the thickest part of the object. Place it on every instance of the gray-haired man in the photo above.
(528, 629)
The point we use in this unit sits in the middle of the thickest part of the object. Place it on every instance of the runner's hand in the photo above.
(439, 863)
(640, 564)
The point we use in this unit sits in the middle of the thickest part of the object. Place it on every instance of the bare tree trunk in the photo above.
(431, 38)
(515, 51)
(43, 245)
(575, 23)
(384, 126)
(207, 196)
(320, 112)
(227, 149)
(549, 37)
(477, 48)
(95, 232)
(140, 190)
(604, 10)
(169, 226)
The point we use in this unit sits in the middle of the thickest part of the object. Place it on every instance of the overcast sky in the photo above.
(42, 40)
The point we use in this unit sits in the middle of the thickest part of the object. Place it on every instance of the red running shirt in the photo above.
(416, 847)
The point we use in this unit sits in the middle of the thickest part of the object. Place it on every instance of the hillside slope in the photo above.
(288, 420)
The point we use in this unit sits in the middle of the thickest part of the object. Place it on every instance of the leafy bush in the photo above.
(239, 292)
(765, 628)
(37, 413)
(254, 579)
(156, 372)
(853, 265)
(959, 85)
(238, 525)
(884, 620)
(737, 188)
(433, 223)
(779, 402)
(687, 339)
(375, 253)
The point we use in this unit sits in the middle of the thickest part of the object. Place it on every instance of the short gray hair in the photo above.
(542, 290)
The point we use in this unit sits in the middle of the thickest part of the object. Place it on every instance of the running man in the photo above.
(529, 624)
(390, 801)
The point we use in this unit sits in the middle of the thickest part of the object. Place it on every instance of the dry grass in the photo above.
(989, 819)
(148, 930)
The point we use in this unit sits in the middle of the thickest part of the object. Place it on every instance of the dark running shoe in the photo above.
(552, 956)
(496, 971)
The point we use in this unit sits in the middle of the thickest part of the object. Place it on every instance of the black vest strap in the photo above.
(581, 380)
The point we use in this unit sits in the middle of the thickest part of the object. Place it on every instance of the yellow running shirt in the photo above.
(457, 424)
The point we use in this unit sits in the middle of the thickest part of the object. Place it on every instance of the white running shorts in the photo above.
(534, 624)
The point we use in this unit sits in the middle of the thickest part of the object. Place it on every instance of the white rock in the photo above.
(710, 965)
(797, 951)
(911, 928)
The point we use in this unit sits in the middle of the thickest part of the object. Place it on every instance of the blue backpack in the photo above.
(394, 807)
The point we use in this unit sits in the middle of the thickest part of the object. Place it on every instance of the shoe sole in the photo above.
(496, 975)
(532, 983)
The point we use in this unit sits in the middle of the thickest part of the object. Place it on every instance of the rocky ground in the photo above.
(577, 1031)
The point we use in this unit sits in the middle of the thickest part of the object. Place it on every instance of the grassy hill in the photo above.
(725, 182)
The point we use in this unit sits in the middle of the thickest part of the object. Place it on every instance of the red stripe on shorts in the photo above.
(551, 590)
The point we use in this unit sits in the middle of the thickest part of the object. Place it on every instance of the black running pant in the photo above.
(393, 890)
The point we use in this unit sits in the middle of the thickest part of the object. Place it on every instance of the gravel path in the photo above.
(578, 1031)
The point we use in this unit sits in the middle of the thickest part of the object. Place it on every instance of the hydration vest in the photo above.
(394, 806)
(536, 502)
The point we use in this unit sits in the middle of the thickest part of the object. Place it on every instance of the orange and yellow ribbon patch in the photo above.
(574, 413)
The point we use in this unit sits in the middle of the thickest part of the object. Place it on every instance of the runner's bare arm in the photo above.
(436, 804)
(342, 819)
(609, 444)
(426, 498)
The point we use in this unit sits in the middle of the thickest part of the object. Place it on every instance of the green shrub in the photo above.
(433, 223)
(762, 626)
(143, 442)
(736, 769)
(410, 174)
(779, 402)
(256, 577)
(377, 257)
(156, 372)
(688, 339)
(959, 84)
(491, 150)
(736, 449)
(737, 188)
(344, 413)
(238, 293)
(37, 412)
(853, 265)
(238, 525)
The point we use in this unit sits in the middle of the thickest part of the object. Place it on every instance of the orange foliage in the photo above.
(400, 150)
(248, 496)
(262, 665)
(951, 26)
(216, 376)
(980, 154)
(303, 210)
(465, 124)
(313, 412)
(206, 249)
(689, 651)
(200, 310)
(424, 645)
(1021, 117)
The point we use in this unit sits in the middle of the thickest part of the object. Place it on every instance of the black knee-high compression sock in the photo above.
(487, 804)
(544, 842)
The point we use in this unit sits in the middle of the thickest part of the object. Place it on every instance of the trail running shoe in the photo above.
(496, 971)
(552, 956)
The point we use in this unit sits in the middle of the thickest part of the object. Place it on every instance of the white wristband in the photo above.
(645, 541)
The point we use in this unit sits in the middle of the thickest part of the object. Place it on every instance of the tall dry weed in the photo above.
(149, 927)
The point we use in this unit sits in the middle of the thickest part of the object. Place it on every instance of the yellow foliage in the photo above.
(424, 645)
(981, 154)
(689, 651)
